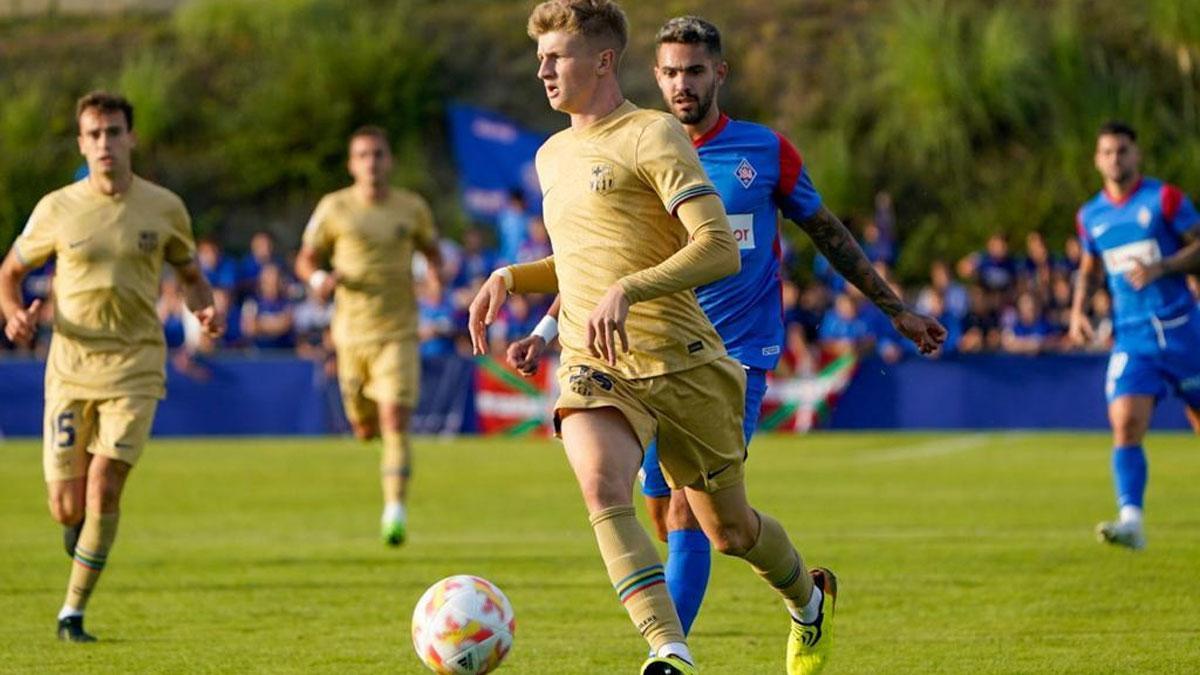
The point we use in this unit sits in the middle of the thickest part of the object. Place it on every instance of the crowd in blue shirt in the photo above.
(989, 301)
(992, 300)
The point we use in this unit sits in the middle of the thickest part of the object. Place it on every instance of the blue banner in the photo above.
(994, 391)
(261, 395)
(493, 156)
(285, 395)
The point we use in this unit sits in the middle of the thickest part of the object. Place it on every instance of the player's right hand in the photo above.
(483, 310)
(607, 323)
(1080, 330)
(526, 353)
(212, 321)
(21, 326)
(325, 291)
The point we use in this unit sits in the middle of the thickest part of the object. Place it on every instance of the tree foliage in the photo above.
(977, 115)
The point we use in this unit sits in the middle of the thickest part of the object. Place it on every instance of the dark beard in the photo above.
(703, 105)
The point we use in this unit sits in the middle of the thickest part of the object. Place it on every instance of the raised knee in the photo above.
(601, 493)
(734, 540)
(365, 431)
(66, 511)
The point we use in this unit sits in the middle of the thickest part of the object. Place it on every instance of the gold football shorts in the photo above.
(695, 413)
(116, 428)
(378, 373)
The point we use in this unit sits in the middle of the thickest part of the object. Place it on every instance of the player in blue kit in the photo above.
(1143, 235)
(758, 174)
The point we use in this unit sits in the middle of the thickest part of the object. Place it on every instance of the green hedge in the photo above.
(976, 115)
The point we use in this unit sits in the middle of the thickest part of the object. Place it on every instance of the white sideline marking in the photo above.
(934, 448)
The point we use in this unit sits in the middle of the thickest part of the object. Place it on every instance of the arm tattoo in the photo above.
(1187, 259)
(838, 245)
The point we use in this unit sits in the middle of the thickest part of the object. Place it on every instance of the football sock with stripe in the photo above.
(91, 554)
(637, 575)
(779, 563)
(689, 561)
(395, 465)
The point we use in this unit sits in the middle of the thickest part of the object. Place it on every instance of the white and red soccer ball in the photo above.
(463, 625)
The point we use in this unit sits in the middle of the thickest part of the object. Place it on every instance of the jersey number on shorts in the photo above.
(66, 427)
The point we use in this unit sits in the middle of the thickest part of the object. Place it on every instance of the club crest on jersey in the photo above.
(1144, 217)
(745, 173)
(147, 241)
(601, 179)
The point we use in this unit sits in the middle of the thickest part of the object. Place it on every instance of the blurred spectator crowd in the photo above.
(993, 300)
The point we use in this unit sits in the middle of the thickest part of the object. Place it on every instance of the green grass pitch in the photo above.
(957, 554)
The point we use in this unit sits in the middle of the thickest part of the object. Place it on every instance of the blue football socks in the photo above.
(1129, 474)
(689, 561)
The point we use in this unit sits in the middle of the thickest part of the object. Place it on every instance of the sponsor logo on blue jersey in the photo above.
(1143, 228)
(758, 174)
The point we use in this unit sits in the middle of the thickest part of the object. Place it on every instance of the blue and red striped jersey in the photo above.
(758, 174)
(1148, 225)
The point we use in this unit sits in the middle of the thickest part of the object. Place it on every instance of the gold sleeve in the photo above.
(668, 163)
(37, 241)
(711, 254)
(181, 246)
(535, 277)
(426, 232)
(318, 232)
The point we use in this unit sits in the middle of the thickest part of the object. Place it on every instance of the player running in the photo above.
(636, 225)
(368, 232)
(1143, 234)
(757, 173)
(111, 232)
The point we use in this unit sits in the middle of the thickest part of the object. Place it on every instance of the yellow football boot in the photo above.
(809, 644)
(667, 665)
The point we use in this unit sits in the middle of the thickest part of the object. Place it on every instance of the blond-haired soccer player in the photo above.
(635, 226)
(368, 232)
(111, 233)
(759, 175)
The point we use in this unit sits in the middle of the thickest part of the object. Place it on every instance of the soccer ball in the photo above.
(463, 625)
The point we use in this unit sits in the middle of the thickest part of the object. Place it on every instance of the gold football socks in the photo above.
(779, 563)
(91, 553)
(636, 573)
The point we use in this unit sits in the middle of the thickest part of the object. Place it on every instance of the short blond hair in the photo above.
(601, 20)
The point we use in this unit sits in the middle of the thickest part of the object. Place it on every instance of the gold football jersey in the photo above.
(371, 248)
(610, 191)
(108, 341)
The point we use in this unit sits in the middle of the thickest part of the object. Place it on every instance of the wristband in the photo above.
(507, 276)
(547, 329)
(317, 279)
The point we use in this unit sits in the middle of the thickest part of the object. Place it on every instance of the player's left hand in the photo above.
(1143, 275)
(924, 331)
(212, 322)
(606, 323)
